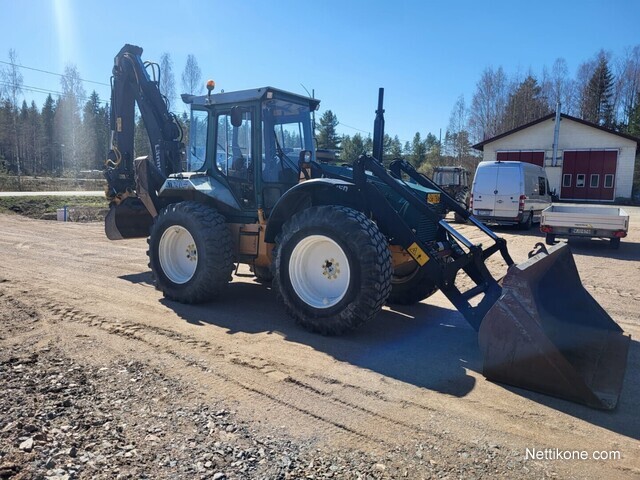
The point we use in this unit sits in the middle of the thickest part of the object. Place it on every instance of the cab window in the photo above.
(197, 140)
(234, 152)
(233, 146)
(286, 133)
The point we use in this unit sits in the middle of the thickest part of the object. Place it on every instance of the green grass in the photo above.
(37, 207)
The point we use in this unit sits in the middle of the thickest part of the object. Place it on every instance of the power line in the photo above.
(354, 128)
(52, 73)
(30, 88)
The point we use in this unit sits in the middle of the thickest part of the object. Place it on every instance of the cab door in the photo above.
(234, 154)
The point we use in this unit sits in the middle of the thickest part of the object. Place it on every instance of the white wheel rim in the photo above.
(319, 271)
(178, 254)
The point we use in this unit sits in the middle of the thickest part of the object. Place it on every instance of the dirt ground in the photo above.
(101, 377)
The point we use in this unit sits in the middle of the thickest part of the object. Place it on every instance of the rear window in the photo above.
(485, 181)
(508, 179)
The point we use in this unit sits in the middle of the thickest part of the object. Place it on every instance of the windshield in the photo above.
(286, 132)
(447, 178)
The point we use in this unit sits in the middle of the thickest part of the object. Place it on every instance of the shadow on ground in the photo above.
(423, 345)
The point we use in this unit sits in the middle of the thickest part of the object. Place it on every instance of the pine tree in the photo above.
(525, 105)
(352, 148)
(327, 135)
(597, 96)
(418, 151)
(48, 153)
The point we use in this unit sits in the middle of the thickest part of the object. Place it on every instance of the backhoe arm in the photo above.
(131, 85)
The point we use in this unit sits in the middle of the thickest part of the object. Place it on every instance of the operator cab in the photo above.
(250, 141)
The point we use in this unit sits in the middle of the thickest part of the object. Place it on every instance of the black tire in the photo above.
(364, 249)
(614, 243)
(550, 239)
(411, 288)
(263, 274)
(528, 223)
(463, 199)
(213, 252)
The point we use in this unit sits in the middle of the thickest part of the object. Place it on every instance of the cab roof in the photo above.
(254, 94)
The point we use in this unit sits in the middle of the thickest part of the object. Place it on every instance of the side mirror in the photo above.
(236, 116)
(304, 165)
(304, 158)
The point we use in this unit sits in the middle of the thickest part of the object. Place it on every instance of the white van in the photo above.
(510, 193)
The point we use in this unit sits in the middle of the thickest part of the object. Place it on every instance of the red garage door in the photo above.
(589, 175)
(529, 156)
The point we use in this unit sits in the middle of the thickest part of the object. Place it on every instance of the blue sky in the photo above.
(424, 53)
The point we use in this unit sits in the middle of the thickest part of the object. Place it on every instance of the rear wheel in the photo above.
(614, 243)
(190, 252)
(332, 269)
(527, 223)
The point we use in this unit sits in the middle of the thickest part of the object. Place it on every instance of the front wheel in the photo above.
(190, 252)
(408, 288)
(332, 269)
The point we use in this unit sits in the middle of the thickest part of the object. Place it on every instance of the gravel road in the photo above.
(103, 378)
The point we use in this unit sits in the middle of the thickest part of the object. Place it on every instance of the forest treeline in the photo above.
(605, 91)
(70, 131)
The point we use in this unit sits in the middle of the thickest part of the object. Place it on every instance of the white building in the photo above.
(593, 163)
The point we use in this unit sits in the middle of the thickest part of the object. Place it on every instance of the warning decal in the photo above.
(418, 254)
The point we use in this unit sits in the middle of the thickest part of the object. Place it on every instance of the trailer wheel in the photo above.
(614, 243)
(550, 239)
(411, 288)
(332, 269)
(190, 252)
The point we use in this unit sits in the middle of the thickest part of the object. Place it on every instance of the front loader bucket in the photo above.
(547, 333)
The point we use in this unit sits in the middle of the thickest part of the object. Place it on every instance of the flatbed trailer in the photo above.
(584, 221)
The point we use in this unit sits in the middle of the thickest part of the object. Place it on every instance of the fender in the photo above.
(318, 191)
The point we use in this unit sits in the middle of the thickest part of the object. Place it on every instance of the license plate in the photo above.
(582, 231)
(484, 212)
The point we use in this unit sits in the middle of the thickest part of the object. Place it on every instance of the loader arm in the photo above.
(538, 328)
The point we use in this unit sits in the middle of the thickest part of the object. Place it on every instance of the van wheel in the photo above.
(528, 223)
(614, 243)
(550, 239)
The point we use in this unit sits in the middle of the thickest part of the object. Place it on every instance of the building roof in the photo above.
(480, 146)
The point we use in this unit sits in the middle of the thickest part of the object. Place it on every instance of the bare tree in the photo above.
(627, 85)
(557, 86)
(167, 80)
(457, 137)
(13, 80)
(488, 103)
(68, 119)
(192, 76)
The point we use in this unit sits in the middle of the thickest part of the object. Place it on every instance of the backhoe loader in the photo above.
(338, 242)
